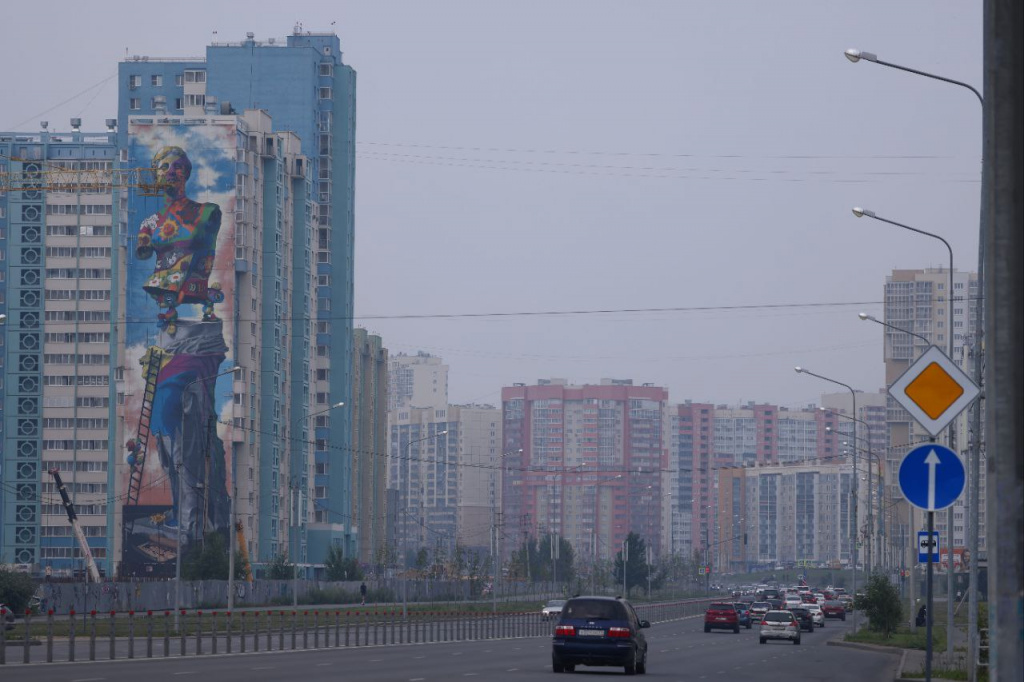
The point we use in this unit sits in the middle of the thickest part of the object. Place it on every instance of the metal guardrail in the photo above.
(151, 634)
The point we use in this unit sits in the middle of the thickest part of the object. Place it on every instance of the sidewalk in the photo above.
(913, 660)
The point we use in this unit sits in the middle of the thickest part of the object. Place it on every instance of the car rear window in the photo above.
(760, 605)
(594, 609)
(722, 607)
(774, 617)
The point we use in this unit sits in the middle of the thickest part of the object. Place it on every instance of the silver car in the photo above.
(553, 609)
(780, 625)
(817, 615)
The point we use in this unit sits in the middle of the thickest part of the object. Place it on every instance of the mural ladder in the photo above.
(152, 361)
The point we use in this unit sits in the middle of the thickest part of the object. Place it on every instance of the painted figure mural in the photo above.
(183, 236)
(177, 395)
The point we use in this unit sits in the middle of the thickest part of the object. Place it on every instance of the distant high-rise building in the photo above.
(479, 475)
(419, 380)
(56, 347)
(305, 88)
(918, 301)
(784, 514)
(369, 443)
(584, 462)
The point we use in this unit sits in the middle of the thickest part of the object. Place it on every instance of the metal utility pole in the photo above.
(1004, 378)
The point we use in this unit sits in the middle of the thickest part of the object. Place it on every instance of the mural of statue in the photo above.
(183, 236)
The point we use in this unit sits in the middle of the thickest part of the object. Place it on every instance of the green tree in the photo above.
(881, 603)
(340, 568)
(16, 589)
(279, 568)
(208, 560)
(635, 566)
(422, 559)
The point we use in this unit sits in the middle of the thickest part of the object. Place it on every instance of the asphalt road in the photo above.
(677, 651)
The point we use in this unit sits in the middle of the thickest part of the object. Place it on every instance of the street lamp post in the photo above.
(878, 460)
(178, 468)
(951, 433)
(910, 508)
(405, 520)
(855, 56)
(293, 540)
(856, 487)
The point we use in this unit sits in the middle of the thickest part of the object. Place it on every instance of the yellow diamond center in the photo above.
(934, 391)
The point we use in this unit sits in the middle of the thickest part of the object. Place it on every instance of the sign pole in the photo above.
(928, 603)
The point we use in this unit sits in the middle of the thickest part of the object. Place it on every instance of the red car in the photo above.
(722, 616)
(834, 609)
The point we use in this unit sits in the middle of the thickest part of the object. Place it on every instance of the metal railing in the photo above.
(117, 635)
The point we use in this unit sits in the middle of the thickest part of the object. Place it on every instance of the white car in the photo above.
(792, 600)
(780, 625)
(553, 609)
(817, 615)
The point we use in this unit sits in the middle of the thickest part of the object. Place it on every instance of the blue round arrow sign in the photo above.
(932, 477)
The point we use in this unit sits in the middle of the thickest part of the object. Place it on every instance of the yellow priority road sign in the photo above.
(934, 390)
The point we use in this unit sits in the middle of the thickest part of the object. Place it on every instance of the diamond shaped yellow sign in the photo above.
(934, 390)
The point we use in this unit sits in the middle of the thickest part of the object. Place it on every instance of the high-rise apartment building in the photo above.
(783, 514)
(56, 212)
(419, 380)
(214, 366)
(369, 443)
(478, 476)
(584, 462)
(307, 90)
(918, 301)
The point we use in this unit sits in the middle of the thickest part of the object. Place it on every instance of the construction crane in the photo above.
(39, 176)
(90, 565)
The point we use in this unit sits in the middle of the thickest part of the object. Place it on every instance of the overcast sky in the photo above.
(525, 157)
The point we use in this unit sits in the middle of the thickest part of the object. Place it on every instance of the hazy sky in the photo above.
(525, 157)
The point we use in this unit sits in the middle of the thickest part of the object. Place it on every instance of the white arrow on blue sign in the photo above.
(932, 477)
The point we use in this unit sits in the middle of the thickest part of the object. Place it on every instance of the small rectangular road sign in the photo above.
(923, 544)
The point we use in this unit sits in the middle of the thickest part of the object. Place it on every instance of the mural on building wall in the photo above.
(179, 291)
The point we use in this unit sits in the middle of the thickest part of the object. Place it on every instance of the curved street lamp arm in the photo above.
(981, 100)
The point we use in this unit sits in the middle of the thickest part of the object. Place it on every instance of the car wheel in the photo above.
(642, 665)
(556, 665)
(630, 667)
(707, 628)
(843, 617)
(736, 630)
(570, 668)
(763, 640)
(748, 626)
(796, 641)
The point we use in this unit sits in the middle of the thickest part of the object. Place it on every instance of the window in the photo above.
(326, 93)
(195, 76)
(134, 103)
(178, 103)
(179, 80)
(156, 81)
(327, 69)
(159, 102)
(134, 81)
(195, 100)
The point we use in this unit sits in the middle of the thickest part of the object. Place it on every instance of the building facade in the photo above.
(306, 89)
(585, 463)
(419, 380)
(369, 443)
(56, 393)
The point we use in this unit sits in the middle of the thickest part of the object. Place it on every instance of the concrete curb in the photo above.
(868, 647)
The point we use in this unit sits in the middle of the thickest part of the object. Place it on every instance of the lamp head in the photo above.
(861, 212)
(799, 370)
(341, 404)
(863, 316)
(855, 55)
